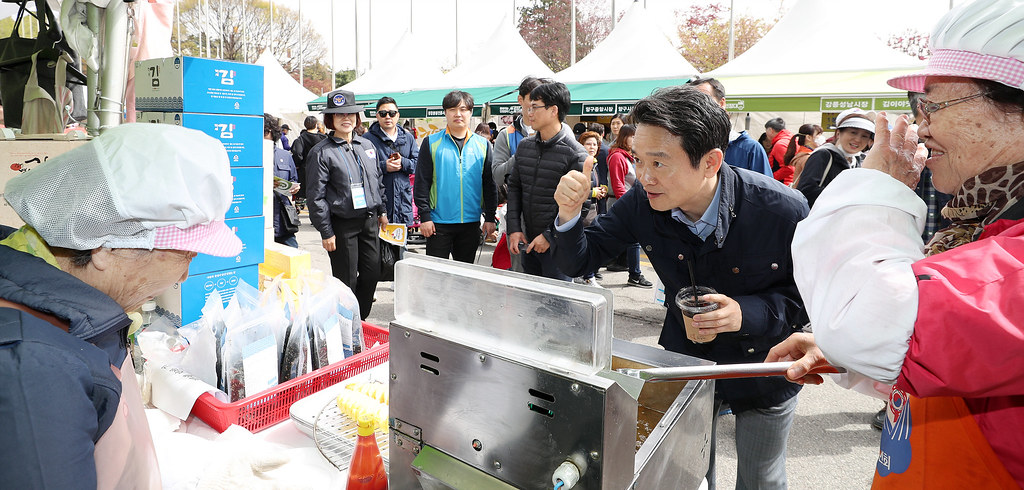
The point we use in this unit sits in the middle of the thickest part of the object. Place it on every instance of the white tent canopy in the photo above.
(408, 66)
(649, 52)
(282, 94)
(838, 46)
(504, 59)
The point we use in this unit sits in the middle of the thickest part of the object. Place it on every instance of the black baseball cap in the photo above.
(342, 102)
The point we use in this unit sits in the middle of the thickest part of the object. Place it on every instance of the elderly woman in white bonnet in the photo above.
(942, 321)
(110, 225)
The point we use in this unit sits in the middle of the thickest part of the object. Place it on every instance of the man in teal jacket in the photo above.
(454, 184)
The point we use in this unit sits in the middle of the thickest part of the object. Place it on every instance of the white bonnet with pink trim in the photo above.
(135, 186)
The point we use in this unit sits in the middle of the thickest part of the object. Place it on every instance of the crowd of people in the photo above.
(893, 248)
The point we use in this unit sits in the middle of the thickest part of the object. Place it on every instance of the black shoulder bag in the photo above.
(16, 64)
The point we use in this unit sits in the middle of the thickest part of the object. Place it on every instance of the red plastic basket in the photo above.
(268, 407)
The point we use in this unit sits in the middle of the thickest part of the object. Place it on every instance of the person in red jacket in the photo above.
(779, 136)
(941, 321)
(621, 177)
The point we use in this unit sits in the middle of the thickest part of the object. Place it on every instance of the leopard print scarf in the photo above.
(978, 203)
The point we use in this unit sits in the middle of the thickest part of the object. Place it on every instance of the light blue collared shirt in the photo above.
(704, 226)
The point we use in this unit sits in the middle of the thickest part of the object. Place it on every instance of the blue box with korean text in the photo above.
(242, 136)
(186, 84)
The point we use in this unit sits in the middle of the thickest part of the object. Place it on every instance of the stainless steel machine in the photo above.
(500, 380)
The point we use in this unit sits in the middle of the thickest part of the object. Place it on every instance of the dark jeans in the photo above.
(633, 259)
(356, 257)
(287, 240)
(542, 264)
(460, 241)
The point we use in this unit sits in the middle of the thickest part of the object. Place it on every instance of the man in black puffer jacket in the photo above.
(541, 160)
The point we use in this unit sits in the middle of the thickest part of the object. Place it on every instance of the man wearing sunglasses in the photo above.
(396, 156)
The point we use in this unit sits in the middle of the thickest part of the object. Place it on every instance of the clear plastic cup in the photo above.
(690, 307)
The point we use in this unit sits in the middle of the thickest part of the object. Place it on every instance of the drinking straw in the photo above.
(693, 282)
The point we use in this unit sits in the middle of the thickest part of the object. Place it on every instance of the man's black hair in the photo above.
(456, 97)
(700, 123)
(553, 94)
(777, 124)
(386, 100)
(597, 128)
(310, 123)
(716, 87)
(529, 83)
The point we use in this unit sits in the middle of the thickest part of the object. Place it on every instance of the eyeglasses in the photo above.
(531, 108)
(387, 113)
(928, 107)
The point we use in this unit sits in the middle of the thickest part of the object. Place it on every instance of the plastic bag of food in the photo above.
(297, 355)
(250, 351)
(249, 358)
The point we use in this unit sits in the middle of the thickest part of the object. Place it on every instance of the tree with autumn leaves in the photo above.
(704, 35)
(545, 27)
(703, 31)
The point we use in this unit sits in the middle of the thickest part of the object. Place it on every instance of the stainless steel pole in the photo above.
(334, 68)
(456, 32)
(177, 20)
(732, 30)
(206, 18)
(355, 22)
(369, 36)
(572, 32)
(220, 28)
(114, 75)
(245, 33)
(92, 80)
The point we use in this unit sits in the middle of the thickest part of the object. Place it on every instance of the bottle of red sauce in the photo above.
(366, 472)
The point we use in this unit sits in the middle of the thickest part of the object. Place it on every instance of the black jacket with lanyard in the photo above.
(335, 171)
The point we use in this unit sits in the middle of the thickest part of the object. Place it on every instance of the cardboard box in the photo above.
(247, 197)
(242, 136)
(290, 261)
(20, 156)
(250, 231)
(187, 84)
(187, 299)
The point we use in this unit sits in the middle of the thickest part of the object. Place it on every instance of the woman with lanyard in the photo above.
(345, 194)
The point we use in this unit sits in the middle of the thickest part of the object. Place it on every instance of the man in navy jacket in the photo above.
(734, 227)
(396, 156)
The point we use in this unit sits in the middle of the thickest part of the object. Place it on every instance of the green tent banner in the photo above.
(830, 104)
(772, 104)
(892, 104)
(597, 109)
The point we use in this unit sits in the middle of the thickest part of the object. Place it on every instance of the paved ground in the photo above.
(831, 445)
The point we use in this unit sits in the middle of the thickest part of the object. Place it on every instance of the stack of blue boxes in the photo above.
(224, 100)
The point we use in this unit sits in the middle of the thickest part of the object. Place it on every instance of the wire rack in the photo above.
(335, 436)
